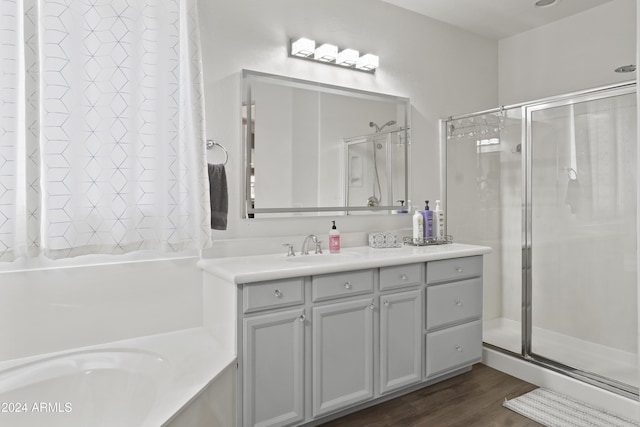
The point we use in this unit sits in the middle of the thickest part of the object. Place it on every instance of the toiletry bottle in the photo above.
(427, 215)
(418, 230)
(402, 208)
(334, 239)
(438, 221)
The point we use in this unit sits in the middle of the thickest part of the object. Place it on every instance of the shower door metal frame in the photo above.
(527, 248)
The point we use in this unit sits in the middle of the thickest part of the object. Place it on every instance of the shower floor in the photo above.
(612, 363)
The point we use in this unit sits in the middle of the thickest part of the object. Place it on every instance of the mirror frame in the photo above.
(249, 76)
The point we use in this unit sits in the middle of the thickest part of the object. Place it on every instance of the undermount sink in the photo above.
(324, 258)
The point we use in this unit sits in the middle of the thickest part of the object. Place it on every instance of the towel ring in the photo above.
(211, 143)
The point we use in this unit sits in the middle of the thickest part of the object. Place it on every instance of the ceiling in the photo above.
(496, 19)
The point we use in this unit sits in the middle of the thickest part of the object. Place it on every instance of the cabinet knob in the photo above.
(459, 269)
(386, 303)
(302, 318)
(277, 293)
(347, 285)
(458, 302)
(372, 306)
(403, 276)
(459, 348)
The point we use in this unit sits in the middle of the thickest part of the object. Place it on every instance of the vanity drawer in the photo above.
(453, 348)
(454, 302)
(454, 269)
(401, 275)
(273, 294)
(338, 285)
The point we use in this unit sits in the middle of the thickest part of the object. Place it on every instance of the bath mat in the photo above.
(552, 409)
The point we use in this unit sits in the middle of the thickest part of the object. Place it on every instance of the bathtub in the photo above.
(146, 381)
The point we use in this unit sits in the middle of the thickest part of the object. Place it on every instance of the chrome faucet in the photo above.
(305, 248)
(290, 251)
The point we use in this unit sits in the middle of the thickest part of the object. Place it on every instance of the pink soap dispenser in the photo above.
(334, 239)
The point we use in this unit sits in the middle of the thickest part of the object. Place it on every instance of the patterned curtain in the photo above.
(102, 128)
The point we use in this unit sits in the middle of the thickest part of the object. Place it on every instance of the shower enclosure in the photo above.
(376, 172)
(550, 186)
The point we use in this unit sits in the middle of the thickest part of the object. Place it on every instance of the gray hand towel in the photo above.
(219, 196)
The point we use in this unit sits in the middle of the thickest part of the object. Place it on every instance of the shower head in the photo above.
(379, 128)
(389, 123)
(626, 69)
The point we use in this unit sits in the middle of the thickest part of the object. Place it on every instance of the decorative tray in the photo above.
(427, 242)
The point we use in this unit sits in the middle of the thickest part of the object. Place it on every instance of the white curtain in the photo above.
(102, 128)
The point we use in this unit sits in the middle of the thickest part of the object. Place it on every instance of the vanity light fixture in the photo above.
(327, 53)
(303, 47)
(368, 62)
(348, 57)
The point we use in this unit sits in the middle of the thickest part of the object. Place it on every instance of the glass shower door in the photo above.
(582, 213)
(484, 184)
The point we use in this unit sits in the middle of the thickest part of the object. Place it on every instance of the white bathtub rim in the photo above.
(195, 359)
(41, 369)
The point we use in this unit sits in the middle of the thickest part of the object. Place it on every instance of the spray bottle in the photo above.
(438, 221)
(418, 229)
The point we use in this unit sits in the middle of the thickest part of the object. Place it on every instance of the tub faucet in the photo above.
(305, 248)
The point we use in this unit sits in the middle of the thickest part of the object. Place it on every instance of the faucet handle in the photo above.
(290, 251)
(318, 246)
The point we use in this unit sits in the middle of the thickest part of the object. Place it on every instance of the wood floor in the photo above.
(471, 399)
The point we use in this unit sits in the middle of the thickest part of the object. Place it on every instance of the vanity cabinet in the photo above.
(342, 356)
(273, 367)
(453, 314)
(400, 340)
(321, 344)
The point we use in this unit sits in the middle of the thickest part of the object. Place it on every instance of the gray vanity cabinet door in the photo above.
(273, 369)
(342, 355)
(400, 340)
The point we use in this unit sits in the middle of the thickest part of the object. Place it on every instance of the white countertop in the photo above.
(257, 268)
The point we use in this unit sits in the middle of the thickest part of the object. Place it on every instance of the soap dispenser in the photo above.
(402, 208)
(427, 215)
(334, 239)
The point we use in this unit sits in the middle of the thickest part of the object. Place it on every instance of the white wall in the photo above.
(54, 309)
(576, 53)
(276, 124)
(442, 69)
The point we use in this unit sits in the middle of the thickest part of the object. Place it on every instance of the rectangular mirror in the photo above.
(315, 149)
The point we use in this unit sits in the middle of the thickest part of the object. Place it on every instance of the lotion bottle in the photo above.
(427, 215)
(334, 239)
(418, 229)
(438, 221)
